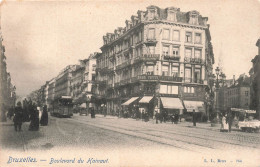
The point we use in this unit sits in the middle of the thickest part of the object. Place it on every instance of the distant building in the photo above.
(77, 77)
(51, 92)
(237, 97)
(163, 58)
(63, 82)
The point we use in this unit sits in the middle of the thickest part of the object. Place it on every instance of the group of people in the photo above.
(226, 121)
(28, 112)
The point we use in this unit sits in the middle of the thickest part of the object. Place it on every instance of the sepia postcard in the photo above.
(129, 83)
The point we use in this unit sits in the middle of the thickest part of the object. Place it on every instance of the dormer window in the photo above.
(193, 17)
(152, 12)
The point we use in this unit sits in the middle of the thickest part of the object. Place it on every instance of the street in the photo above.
(116, 134)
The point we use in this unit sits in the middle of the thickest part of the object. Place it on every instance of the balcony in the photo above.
(193, 60)
(159, 78)
(171, 57)
(147, 57)
(190, 80)
(150, 42)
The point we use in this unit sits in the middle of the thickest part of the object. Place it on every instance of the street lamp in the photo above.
(217, 70)
(210, 94)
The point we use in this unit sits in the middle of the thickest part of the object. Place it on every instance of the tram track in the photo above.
(212, 141)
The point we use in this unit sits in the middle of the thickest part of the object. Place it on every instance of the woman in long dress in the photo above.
(224, 125)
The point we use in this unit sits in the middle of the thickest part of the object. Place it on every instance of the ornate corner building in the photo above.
(162, 58)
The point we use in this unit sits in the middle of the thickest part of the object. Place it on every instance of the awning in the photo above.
(171, 103)
(198, 106)
(130, 101)
(146, 99)
(243, 110)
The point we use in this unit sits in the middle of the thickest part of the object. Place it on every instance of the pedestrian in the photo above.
(176, 118)
(229, 120)
(156, 116)
(172, 118)
(92, 113)
(18, 117)
(10, 113)
(34, 117)
(44, 117)
(224, 124)
(194, 118)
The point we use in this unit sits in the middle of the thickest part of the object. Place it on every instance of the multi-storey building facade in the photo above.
(76, 82)
(162, 57)
(51, 92)
(237, 96)
(63, 82)
(7, 89)
(89, 78)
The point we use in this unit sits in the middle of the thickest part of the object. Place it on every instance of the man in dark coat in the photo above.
(34, 117)
(194, 117)
(229, 120)
(18, 117)
(44, 118)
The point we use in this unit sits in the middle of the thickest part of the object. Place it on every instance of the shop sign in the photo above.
(150, 63)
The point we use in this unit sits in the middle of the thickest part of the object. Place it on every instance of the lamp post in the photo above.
(210, 96)
(217, 70)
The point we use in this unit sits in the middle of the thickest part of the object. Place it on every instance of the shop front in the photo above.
(146, 105)
(172, 105)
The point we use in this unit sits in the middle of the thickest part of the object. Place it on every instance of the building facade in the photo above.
(237, 97)
(89, 78)
(7, 89)
(161, 58)
(51, 92)
(63, 82)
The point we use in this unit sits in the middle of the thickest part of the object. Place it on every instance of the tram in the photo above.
(62, 107)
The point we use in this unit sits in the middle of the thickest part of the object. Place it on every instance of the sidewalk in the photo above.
(199, 125)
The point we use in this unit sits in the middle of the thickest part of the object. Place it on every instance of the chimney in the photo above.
(234, 79)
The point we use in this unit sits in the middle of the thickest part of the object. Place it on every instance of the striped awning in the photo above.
(146, 99)
(130, 101)
(171, 103)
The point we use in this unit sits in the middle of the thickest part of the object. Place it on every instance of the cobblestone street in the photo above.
(113, 132)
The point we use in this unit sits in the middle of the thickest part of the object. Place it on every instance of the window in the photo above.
(149, 70)
(197, 53)
(151, 49)
(166, 34)
(165, 50)
(197, 38)
(188, 52)
(163, 89)
(175, 51)
(169, 89)
(246, 93)
(165, 70)
(188, 37)
(176, 35)
(187, 74)
(197, 75)
(175, 71)
(152, 14)
(188, 89)
(174, 89)
(151, 33)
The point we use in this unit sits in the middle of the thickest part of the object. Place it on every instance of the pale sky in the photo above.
(41, 38)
